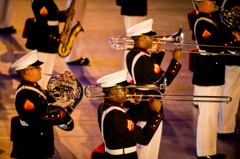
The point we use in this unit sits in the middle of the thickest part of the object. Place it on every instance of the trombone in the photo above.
(94, 92)
(127, 43)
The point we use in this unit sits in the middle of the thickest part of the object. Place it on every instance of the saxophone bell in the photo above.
(64, 49)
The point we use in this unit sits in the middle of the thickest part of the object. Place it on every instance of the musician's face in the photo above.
(148, 41)
(120, 94)
(35, 73)
(211, 5)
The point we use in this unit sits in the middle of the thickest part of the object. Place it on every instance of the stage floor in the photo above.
(102, 21)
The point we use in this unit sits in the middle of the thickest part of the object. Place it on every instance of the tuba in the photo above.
(64, 49)
(68, 90)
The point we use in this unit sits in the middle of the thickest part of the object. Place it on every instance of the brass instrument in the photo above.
(231, 18)
(68, 90)
(127, 43)
(95, 93)
(64, 49)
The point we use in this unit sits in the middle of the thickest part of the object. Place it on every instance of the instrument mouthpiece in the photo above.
(46, 74)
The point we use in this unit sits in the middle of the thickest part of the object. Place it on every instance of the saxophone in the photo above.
(65, 48)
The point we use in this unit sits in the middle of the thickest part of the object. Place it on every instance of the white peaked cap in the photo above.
(113, 79)
(28, 60)
(141, 28)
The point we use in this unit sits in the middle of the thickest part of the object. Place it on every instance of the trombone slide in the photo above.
(184, 98)
(94, 92)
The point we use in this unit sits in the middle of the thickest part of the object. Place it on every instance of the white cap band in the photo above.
(113, 79)
(25, 61)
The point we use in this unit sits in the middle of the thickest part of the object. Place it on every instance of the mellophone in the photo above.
(66, 90)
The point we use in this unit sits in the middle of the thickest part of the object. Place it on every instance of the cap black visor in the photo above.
(151, 33)
(37, 63)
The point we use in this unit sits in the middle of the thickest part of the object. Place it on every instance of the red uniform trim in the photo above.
(115, 101)
(34, 87)
(99, 149)
(174, 73)
(193, 12)
(141, 50)
(131, 81)
(51, 118)
(24, 30)
(11, 126)
(159, 120)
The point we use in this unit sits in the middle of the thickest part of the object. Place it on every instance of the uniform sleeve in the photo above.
(172, 71)
(152, 69)
(49, 98)
(207, 33)
(124, 126)
(32, 108)
(158, 57)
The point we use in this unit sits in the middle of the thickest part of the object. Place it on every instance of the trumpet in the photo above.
(127, 43)
(94, 92)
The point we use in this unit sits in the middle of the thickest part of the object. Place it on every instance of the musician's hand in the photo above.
(136, 100)
(67, 74)
(63, 113)
(63, 37)
(237, 7)
(69, 13)
(157, 47)
(177, 54)
(237, 35)
(155, 104)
